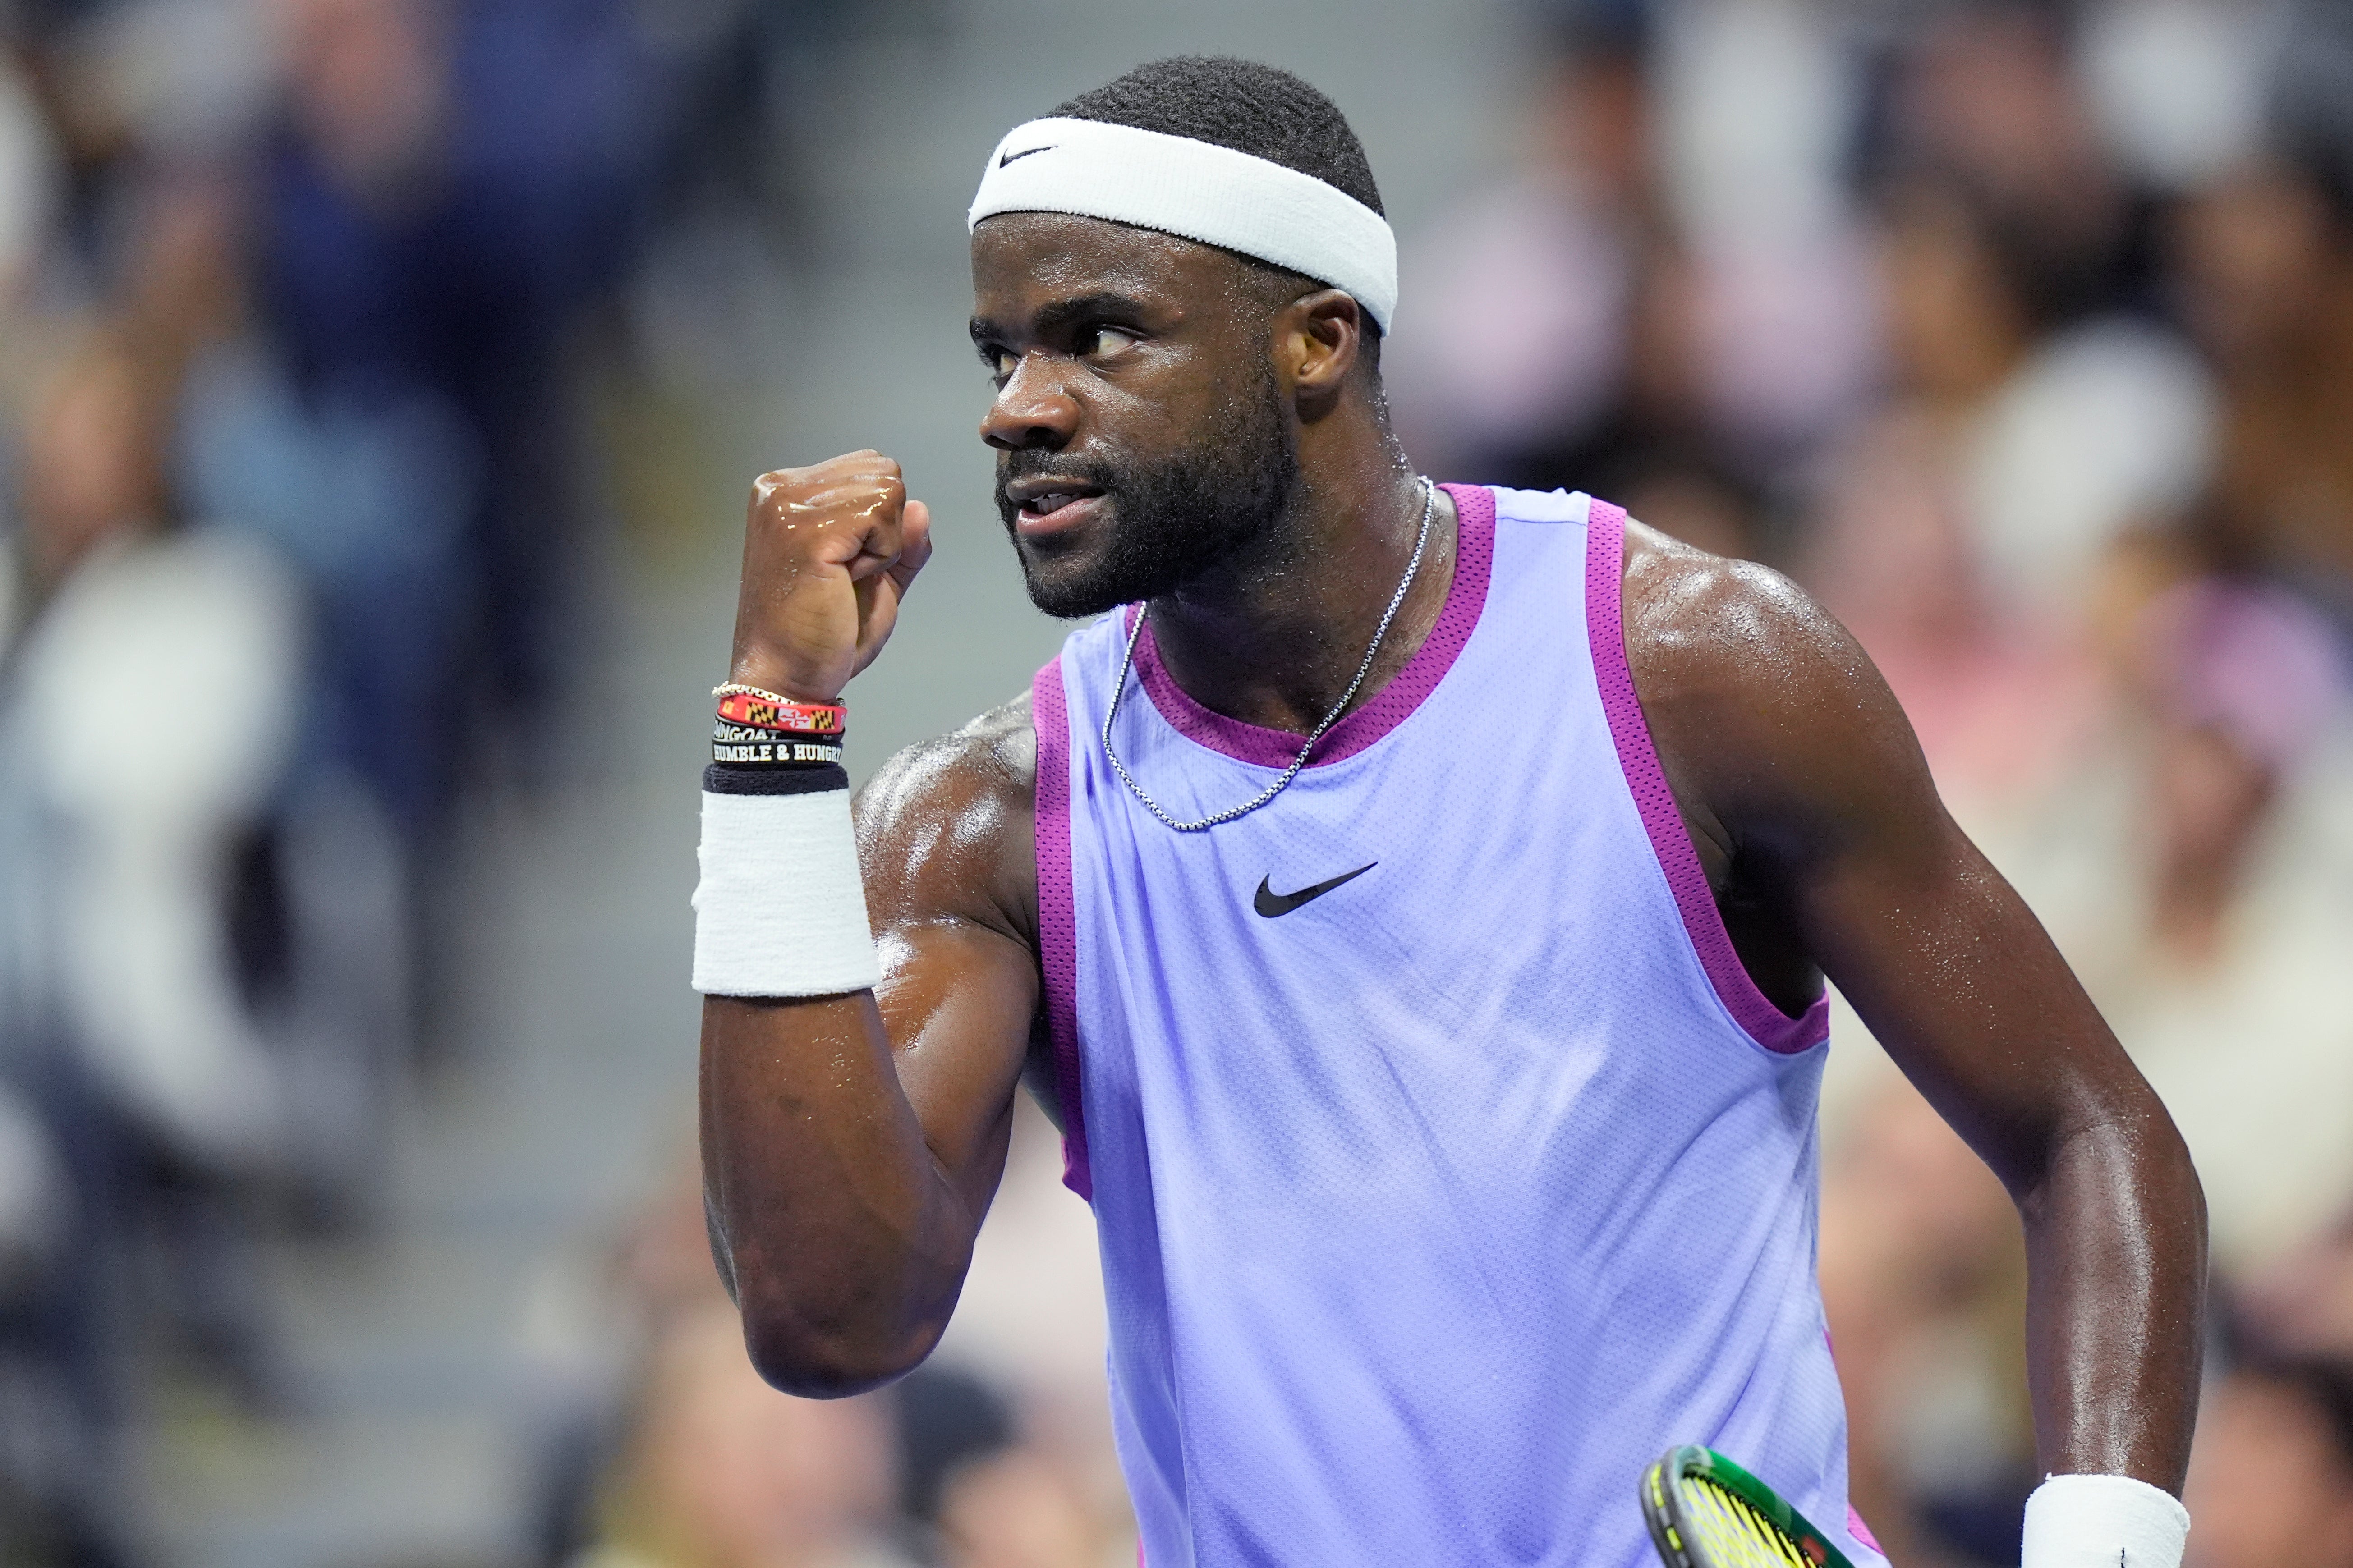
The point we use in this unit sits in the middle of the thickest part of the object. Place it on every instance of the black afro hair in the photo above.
(1254, 109)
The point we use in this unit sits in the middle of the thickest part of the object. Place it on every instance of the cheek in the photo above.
(1171, 398)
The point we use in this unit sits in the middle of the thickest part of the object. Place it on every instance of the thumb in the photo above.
(879, 596)
(915, 547)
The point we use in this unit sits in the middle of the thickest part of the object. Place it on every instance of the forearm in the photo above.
(2116, 1236)
(845, 1239)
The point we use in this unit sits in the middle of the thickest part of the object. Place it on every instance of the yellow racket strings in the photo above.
(1733, 1534)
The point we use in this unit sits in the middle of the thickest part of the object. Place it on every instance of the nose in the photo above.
(1031, 410)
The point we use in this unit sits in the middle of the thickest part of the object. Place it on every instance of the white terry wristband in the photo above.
(780, 910)
(2103, 1522)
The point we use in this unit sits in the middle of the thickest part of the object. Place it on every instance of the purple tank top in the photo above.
(1432, 1208)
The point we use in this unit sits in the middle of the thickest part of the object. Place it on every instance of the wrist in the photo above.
(759, 727)
(780, 906)
(2101, 1521)
(784, 679)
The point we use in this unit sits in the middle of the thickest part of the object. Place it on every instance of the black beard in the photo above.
(1175, 519)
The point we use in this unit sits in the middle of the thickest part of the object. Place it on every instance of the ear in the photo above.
(1319, 341)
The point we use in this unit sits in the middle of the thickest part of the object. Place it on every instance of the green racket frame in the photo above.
(1662, 1509)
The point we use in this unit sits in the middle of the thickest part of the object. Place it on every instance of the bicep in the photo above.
(946, 844)
(956, 1001)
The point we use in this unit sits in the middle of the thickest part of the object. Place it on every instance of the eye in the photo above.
(1001, 363)
(1104, 342)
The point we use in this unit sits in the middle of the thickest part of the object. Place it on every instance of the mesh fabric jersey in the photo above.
(1434, 1208)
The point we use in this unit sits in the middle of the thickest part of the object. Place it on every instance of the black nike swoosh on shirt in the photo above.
(1270, 903)
(1004, 158)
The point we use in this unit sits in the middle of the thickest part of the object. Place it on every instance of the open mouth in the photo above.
(1043, 502)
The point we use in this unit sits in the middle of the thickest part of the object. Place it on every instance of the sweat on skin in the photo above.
(1181, 428)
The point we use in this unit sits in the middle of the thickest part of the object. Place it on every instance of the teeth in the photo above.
(1047, 501)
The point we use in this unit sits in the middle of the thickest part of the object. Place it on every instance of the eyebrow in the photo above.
(1104, 307)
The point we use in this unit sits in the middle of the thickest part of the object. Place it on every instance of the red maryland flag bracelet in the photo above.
(758, 710)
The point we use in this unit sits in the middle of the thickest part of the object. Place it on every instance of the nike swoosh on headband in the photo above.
(1004, 158)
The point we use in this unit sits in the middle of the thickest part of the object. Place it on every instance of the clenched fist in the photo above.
(828, 552)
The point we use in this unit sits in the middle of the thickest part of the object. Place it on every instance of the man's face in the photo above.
(1141, 435)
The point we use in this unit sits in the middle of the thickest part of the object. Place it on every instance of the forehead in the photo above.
(1024, 262)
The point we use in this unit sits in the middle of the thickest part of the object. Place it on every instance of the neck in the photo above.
(1273, 635)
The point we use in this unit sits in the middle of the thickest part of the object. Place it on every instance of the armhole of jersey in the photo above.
(1605, 578)
(1058, 955)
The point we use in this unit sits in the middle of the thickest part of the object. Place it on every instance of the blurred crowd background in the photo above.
(379, 383)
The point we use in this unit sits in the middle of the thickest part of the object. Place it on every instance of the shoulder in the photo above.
(994, 755)
(1752, 691)
(947, 827)
(1712, 610)
(1715, 623)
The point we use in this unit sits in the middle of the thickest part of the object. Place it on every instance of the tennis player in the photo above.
(1413, 903)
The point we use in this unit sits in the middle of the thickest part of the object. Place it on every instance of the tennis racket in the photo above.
(1704, 1512)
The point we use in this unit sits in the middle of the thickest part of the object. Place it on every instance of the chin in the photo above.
(1070, 577)
(1068, 594)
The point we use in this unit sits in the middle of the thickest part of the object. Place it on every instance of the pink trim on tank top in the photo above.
(1605, 578)
(1854, 1525)
(1466, 597)
(1058, 950)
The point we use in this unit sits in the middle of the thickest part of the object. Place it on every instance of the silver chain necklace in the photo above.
(1119, 692)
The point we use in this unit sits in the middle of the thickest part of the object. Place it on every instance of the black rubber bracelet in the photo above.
(774, 753)
(738, 734)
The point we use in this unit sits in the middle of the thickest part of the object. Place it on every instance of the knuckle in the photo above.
(839, 487)
(780, 488)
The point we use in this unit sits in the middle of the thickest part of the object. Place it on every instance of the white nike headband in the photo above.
(1196, 190)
